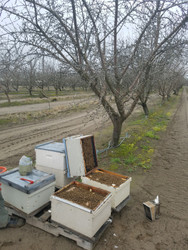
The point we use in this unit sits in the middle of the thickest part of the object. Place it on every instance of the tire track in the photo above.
(17, 141)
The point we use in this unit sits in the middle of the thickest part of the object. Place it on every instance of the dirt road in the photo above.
(168, 178)
(130, 230)
(21, 140)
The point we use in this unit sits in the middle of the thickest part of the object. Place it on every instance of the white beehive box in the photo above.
(50, 158)
(119, 193)
(24, 195)
(82, 159)
(77, 217)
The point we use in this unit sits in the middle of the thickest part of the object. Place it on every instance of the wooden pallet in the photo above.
(41, 218)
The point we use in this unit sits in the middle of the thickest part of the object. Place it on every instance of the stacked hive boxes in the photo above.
(50, 158)
(81, 161)
(76, 156)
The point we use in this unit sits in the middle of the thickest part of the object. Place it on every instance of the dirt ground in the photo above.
(22, 139)
(45, 106)
(130, 230)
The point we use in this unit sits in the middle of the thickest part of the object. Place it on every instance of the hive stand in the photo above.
(121, 205)
(41, 218)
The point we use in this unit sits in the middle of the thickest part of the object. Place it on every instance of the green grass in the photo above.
(131, 159)
(37, 100)
(151, 134)
(20, 103)
(23, 93)
(115, 160)
(137, 150)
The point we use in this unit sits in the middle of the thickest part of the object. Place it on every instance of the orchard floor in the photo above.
(130, 230)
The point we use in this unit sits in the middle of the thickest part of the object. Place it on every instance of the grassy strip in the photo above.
(20, 103)
(137, 150)
(37, 94)
(27, 117)
(42, 100)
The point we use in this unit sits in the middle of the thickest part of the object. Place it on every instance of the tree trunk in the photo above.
(145, 108)
(7, 95)
(163, 99)
(168, 97)
(117, 126)
(30, 91)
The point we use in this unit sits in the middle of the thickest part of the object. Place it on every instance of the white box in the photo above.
(22, 194)
(77, 217)
(60, 175)
(119, 194)
(51, 155)
(50, 158)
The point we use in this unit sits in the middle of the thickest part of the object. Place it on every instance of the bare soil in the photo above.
(45, 106)
(22, 139)
(130, 230)
(105, 178)
(88, 198)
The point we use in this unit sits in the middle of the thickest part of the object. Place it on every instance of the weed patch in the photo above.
(137, 150)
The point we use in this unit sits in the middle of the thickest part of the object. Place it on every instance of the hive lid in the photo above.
(80, 155)
(52, 146)
(40, 179)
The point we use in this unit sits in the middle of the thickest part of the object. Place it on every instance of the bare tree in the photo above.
(29, 78)
(89, 37)
(10, 67)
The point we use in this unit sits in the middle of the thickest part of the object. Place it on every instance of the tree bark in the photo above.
(30, 92)
(7, 95)
(117, 127)
(56, 91)
(145, 108)
(168, 97)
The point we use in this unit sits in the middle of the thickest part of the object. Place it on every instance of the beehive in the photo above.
(82, 161)
(27, 193)
(50, 158)
(81, 217)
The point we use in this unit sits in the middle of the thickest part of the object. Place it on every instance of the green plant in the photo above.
(145, 147)
(115, 160)
(113, 167)
(145, 165)
(151, 135)
(131, 159)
